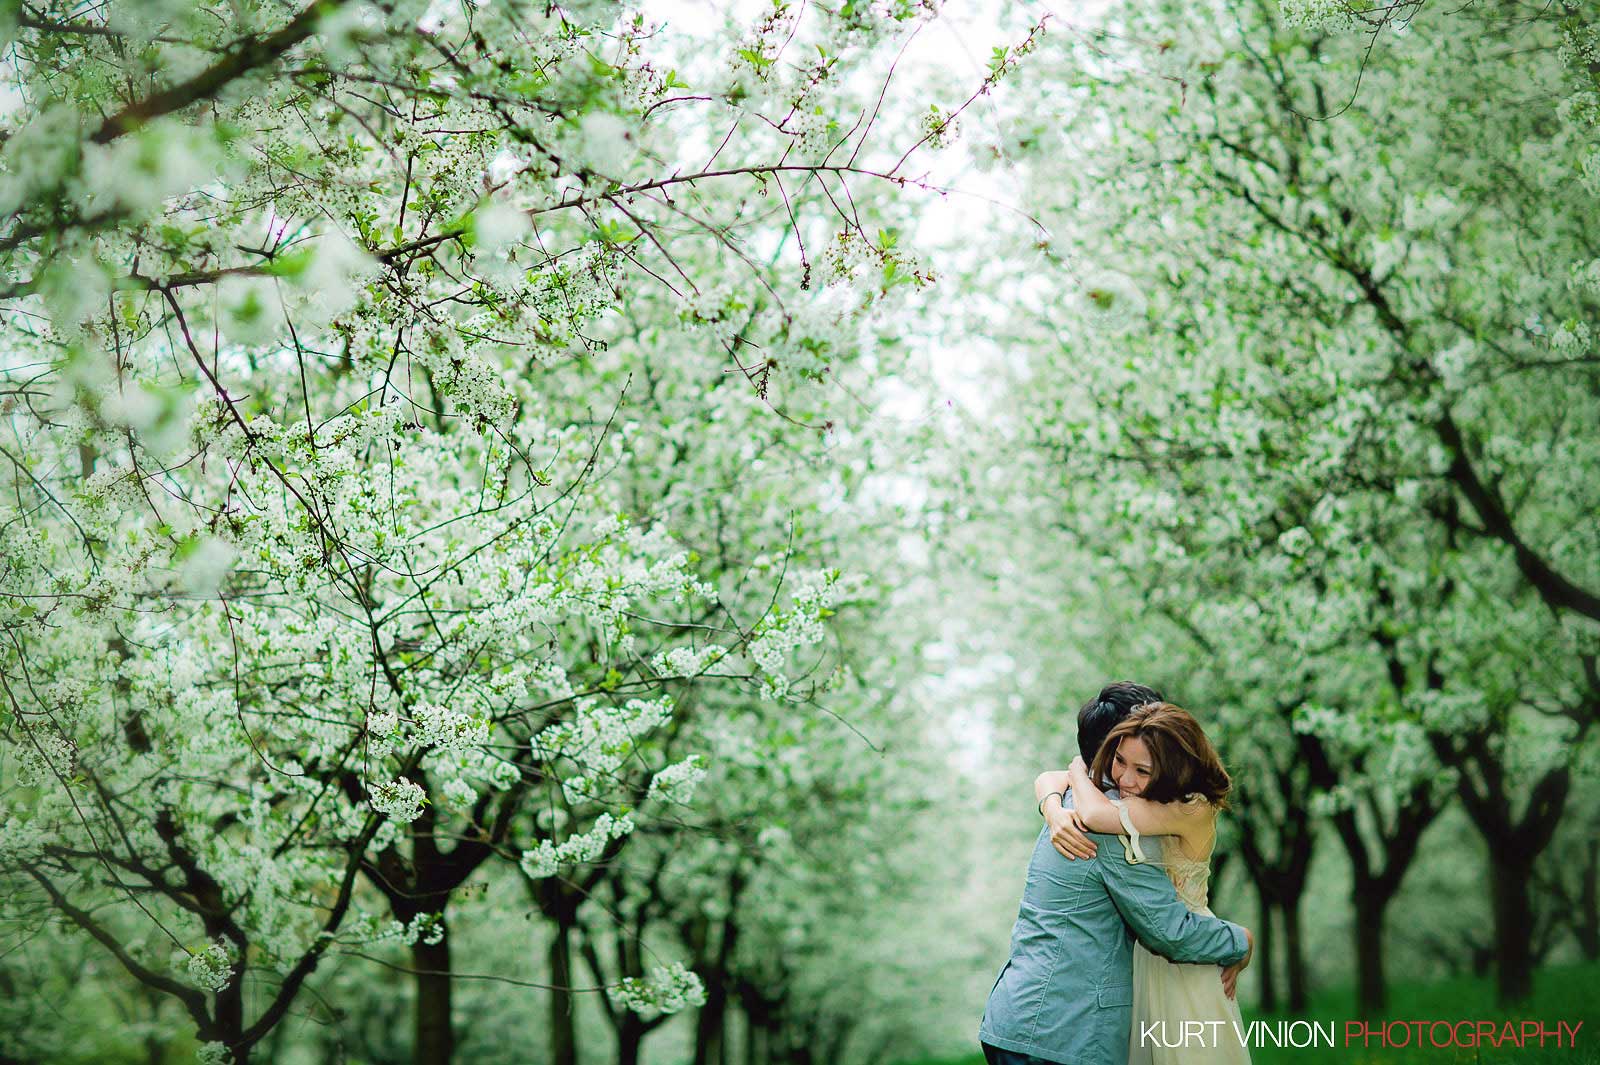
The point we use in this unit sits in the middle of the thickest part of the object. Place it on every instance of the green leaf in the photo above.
(291, 263)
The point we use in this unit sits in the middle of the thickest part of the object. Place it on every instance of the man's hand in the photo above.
(1067, 833)
(1230, 975)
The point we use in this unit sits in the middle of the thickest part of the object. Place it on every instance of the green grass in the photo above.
(1568, 993)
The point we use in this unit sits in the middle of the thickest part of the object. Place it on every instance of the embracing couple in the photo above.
(1115, 955)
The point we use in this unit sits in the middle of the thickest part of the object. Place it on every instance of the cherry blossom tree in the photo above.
(336, 568)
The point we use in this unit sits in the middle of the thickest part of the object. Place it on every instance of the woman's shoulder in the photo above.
(1196, 823)
(1202, 838)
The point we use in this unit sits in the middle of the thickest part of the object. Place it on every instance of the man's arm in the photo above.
(1148, 902)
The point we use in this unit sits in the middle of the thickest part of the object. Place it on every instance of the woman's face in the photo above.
(1131, 766)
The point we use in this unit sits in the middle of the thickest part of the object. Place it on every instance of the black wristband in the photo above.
(1047, 794)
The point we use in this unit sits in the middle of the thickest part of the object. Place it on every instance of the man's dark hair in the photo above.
(1105, 712)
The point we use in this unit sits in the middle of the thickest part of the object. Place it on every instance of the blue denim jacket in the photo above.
(1066, 992)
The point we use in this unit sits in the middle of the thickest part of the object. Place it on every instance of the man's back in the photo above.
(1065, 993)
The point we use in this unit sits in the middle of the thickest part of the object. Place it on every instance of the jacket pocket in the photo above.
(997, 979)
(1115, 996)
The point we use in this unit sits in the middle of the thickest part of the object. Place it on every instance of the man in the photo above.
(1065, 995)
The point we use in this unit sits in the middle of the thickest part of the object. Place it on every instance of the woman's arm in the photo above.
(1066, 832)
(1094, 809)
(1050, 782)
(1150, 818)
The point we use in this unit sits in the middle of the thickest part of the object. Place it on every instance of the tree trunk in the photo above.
(1294, 956)
(761, 1023)
(1514, 843)
(630, 1039)
(830, 1047)
(749, 1040)
(711, 1023)
(1374, 884)
(563, 1029)
(1264, 939)
(421, 887)
(1371, 990)
(1276, 852)
(1513, 925)
(434, 1040)
(1586, 921)
(227, 1020)
(708, 1024)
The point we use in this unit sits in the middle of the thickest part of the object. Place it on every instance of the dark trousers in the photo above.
(996, 1056)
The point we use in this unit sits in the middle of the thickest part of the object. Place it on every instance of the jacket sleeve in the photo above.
(1148, 902)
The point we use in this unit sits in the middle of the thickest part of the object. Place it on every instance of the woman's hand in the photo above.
(1230, 975)
(1067, 833)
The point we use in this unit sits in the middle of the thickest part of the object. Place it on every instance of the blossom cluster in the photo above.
(45, 754)
(598, 739)
(211, 967)
(1319, 16)
(940, 127)
(447, 729)
(687, 661)
(677, 782)
(668, 989)
(400, 799)
(787, 630)
(546, 859)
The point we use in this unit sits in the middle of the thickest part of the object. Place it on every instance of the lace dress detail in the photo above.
(1191, 877)
(1165, 993)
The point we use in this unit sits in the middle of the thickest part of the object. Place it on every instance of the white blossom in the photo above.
(1319, 16)
(400, 799)
(668, 989)
(546, 859)
(678, 781)
(211, 967)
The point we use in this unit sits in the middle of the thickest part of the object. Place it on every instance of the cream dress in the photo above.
(1172, 992)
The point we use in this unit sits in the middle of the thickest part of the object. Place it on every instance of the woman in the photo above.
(1172, 784)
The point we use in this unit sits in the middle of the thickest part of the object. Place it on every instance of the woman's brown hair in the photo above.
(1182, 760)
